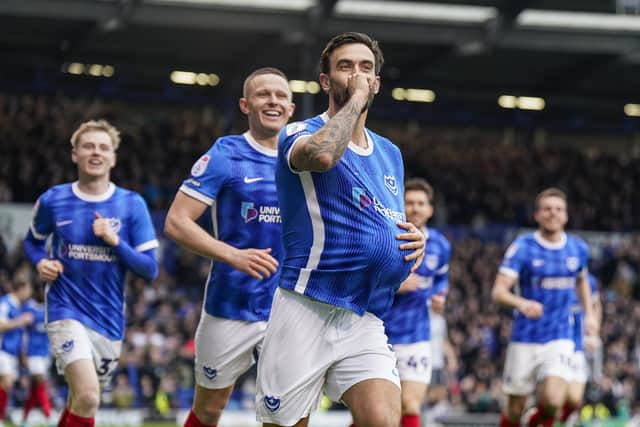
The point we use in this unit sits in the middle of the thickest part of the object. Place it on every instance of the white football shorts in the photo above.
(38, 365)
(528, 363)
(414, 361)
(70, 340)
(310, 346)
(225, 349)
(9, 365)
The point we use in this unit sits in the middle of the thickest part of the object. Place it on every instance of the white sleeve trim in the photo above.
(291, 168)
(151, 244)
(196, 195)
(36, 234)
(443, 269)
(509, 272)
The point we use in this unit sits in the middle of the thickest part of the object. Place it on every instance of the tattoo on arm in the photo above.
(330, 140)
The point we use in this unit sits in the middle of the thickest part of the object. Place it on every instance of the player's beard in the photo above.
(340, 95)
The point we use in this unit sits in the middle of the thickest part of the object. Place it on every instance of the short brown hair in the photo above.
(20, 280)
(260, 72)
(101, 125)
(550, 192)
(349, 38)
(420, 184)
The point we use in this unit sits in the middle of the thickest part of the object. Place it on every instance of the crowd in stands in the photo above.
(480, 178)
(478, 181)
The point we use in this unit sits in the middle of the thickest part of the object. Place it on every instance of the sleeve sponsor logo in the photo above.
(200, 166)
(295, 127)
(511, 250)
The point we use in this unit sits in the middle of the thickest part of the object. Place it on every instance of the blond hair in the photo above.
(100, 125)
(550, 192)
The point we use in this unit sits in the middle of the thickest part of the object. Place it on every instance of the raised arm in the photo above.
(324, 149)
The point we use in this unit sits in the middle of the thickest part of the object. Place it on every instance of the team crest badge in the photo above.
(200, 165)
(391, 183)
(210, 372)
(67, 346)
(573, 263)
(115, 224)
(272, 403)
(431, 261)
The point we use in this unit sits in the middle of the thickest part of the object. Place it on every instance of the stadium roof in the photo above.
(585, 52)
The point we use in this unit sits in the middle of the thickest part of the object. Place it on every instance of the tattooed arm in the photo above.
(324, 149)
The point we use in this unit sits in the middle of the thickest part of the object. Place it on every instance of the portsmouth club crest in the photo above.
(67, 346)
(272, 403)
(210, 372)
(391, 183)
(573, 263)
(431, 261)
(115, 224)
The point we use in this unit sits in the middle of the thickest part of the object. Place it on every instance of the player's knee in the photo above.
(381, 417)
(515, 408)
(6, 381)
(86, 401)
(209, 413)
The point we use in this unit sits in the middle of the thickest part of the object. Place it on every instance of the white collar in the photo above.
(258, 147)
(93, 197)
(550, 245)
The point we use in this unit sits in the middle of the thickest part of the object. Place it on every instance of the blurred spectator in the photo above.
(480, 181)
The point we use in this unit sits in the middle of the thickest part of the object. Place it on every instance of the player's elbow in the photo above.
(152, 274)
(496, 294)
(323, 162)
(171, 225)
(318, 162)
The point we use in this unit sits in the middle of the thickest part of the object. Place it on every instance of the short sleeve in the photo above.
(289, 136)
(514, 259)
(209, 174)
(4, 310)
(584, 256)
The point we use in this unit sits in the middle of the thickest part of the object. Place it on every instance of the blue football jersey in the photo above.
(236, 177)
(91, 288)
(10, 341)
(37, 340)
(340, 226)
(408, 320)
(547, 273)
(577, 314)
